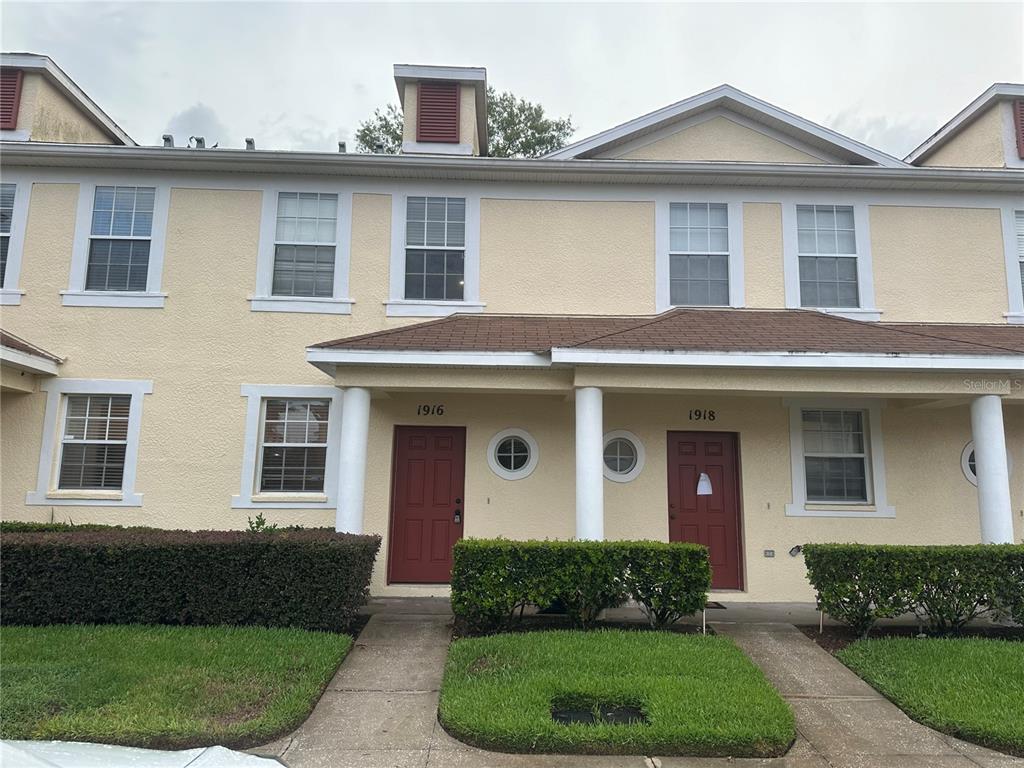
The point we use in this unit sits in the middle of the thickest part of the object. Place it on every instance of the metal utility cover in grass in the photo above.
(700, 695)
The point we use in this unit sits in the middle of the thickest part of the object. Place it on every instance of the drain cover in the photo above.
(602, 713)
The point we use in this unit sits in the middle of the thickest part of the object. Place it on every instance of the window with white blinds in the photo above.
(120, 239)
(827, 248)
(293, 445)
(835, 455)
(6, 218)
(435, 253)
(1019, 221)
(94, 441)
(305, 244)
(698, 254)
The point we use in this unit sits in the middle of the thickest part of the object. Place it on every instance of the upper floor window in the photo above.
(699, 254)
(305, 244)
(1019, 223)
(6, 219)
(10, 97)
(827, 249)
(435, 253)
(120, 238)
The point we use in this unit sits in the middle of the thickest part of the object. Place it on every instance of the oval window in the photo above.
(623, 456)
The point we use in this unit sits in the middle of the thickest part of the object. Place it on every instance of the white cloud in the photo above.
(199, 120)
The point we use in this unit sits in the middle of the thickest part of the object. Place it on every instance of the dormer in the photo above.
(39, 102)
(445, 109)
(987, 133)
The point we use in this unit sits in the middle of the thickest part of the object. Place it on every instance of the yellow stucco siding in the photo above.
(567, 257)
(979, 145)
(48, 115)
(717, 139)
(938, 264)
(764, 282)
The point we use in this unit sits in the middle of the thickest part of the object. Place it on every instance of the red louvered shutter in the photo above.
(10, 97)
(437, 112)
(1018, 123)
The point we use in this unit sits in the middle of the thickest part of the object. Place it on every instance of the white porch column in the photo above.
(355, 429)
(589, 463)
(991, 470)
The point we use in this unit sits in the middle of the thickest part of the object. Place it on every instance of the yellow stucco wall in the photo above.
(48, 115)
(718, 139)
(933, 500)
(979, 145)
(764, 283)
(571, 257)
(938, 264)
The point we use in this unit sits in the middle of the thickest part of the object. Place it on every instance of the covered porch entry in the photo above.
(750, 453)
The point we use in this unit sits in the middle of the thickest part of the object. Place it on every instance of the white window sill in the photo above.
(851, 313)
(283, 501)
(112, 299)
(838, 510)
(307, 304)
(84, 498)
(1014, 318)
(9, 297)
(421, 308)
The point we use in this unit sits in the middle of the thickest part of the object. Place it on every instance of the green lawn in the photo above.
(971, 688)
(701, 694)
(168, 687)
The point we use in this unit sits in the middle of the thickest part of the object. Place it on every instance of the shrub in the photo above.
(16, 526)
(313, 579)
(492, 580)
(946, 586)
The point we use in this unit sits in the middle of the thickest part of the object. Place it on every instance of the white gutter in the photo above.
(23, 361)
(819, 360)
(326, 358)
(490, 168)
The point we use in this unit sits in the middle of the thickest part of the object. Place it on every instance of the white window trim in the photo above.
(46, 492)
(624, 477)
(662, 240)
(248, 497)
(1015, 299)
(531, 463)
(397, 305)
(879, 504)
(10, 293)
(76, 295)
(339, 302)
(865, 273)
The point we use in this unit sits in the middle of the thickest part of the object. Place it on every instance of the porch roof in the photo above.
(690, 330)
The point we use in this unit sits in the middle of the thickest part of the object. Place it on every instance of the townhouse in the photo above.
(718, 322)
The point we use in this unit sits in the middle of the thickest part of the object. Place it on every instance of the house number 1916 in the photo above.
(430, 410)
(702, 414)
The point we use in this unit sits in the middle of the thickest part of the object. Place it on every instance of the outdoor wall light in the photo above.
(704, 485)
(796, 550)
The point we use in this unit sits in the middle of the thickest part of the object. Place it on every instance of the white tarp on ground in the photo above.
(67, 754)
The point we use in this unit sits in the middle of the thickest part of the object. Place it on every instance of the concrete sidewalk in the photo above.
(380, 710)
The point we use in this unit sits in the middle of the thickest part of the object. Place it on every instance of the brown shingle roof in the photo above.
(11, 341)
(696, 330)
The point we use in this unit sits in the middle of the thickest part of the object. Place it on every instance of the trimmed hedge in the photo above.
(313, 579)
(946, 586)
(493, 580)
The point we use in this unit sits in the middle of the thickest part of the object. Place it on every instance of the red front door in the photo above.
(713, 519)
(426, 503)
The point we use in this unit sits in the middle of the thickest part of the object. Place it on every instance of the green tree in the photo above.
(515, 128)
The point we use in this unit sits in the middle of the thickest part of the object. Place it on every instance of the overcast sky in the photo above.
(302, 75)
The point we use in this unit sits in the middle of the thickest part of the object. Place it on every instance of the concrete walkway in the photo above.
(380, 710)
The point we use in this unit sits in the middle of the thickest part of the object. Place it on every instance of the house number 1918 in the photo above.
(702, 414)
(430, 410)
